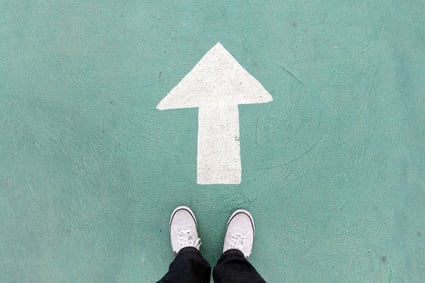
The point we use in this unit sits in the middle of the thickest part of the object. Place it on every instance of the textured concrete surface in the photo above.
(333, 168)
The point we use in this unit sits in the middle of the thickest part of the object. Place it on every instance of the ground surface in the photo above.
(333, 168)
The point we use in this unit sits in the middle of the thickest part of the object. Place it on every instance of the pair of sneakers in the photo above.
(239, 235)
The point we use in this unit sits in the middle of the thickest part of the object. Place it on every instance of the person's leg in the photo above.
(189, 266)
(233, 266)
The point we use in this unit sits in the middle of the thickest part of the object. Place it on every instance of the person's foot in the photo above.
(240, 232)
(183, 229)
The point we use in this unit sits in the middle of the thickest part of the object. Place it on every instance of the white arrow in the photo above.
(217, 85)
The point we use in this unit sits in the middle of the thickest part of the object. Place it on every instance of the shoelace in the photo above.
(237, 241)
(186, 239)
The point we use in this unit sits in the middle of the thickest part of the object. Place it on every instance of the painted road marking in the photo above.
(217, 85)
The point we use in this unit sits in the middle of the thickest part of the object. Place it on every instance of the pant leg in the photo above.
(232, 267)
(188, 267)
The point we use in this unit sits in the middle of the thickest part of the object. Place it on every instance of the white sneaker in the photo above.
(183, 229)
(240, 232)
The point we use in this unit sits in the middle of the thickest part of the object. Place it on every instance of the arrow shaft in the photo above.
(218, 145)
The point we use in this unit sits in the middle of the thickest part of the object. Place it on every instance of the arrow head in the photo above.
(217, 79)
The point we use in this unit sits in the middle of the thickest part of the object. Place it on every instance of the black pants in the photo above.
(190, 267)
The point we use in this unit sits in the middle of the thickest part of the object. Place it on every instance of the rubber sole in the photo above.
(246, 212)
(183, 207)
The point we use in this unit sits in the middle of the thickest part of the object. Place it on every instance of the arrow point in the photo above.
(216, 79)
(161, 106)
(218, 44)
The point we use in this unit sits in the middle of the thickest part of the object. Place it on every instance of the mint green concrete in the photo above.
(333, 168)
